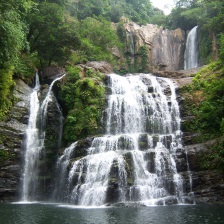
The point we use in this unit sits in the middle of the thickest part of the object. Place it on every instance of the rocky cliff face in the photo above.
(207, 185)
(12, 132)
(151, 48)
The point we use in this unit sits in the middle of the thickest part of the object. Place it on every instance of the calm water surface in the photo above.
(62, 214)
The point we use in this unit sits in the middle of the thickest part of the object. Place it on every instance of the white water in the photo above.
(35, 136)
(131, 47)
(138, 152)
(48, 98)
(43, 109)
(32, 144)
(191, 51)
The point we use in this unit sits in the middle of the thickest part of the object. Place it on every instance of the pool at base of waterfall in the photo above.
(37, 213)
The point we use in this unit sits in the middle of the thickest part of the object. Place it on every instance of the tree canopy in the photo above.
(188, 13)
(37, 33)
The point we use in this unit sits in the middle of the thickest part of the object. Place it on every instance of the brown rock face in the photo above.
(168, 49)
(165, 48)
(100, 66)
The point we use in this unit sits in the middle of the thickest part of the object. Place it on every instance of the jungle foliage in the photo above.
(36, 33)
(205, 101)
(83, 99)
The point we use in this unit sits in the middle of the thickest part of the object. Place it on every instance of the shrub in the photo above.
(84, 99)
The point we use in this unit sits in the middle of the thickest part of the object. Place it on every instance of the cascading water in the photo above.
(131, 44)
(35, 138)
(43, 109)
(136, 159)
(32, 145)
(131, 47)
(191, 51)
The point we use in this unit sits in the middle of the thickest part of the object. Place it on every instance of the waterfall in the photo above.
(32, 145)
(191, 51)
(131, 48)
(136, 158)
(43, 110)
(48, 98)
(131, 44)
(35, 138)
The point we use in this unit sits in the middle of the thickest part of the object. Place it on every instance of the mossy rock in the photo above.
(130, 181)
(143, 142)
(81, 148)
(155, 139)
(82, 99)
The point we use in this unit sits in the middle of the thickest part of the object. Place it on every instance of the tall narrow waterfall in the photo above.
(191, 51)
(136, 159)
(32, 145)
(35, 139)
(131, 49)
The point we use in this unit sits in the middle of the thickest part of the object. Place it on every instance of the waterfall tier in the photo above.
(137, 158)
(191, 51)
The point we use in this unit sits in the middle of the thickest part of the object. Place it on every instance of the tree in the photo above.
(137, 10)
(97, 37)
(206, 13)
(12, 41)
(12, 29)
(51, 34)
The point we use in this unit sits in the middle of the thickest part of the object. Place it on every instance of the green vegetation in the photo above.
(205, 101)
(98, 38)
(206, 13)
(5, 155)
(84, 100)
(51, 35)
(35, 34)
(5, 88)
(112, 10)
(143, 52)
(12, 41)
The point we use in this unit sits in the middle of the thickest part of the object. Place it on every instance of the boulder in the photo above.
(100, 66)
(48, 74)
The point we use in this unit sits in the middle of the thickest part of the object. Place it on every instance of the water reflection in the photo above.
(58, 214)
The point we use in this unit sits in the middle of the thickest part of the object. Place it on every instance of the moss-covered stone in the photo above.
(129, 167)
(83, 98)
(143, 142)
(155, 140)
